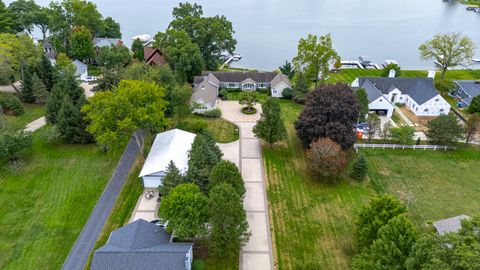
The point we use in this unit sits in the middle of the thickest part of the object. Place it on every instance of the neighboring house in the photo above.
(206, 87)
(142, 245)
(106, 42)
(81, 70)
(449, 225)
(154, 56)
(49, 52)
(467, 90)
(172, 145)
(418, 94)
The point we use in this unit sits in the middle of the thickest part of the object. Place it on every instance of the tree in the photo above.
(248, 99)
(362, 99)
(182, 54)
(41, 19)
(185, 208)
(226, 172)
(81, 44)
(270, 127)
(374, 124)
(109, 79)
(112, 28)
(330, 111)
(449, 50)
(27, 94)
(71, 124)
(444, 130)
(7, 23)
(392, 247)
(213, 35)
(172, 178)
(13, 144)
(379, 211)
(287, 69)
(391, 66)
(201, 159)
(81, 13)
(112, 122)
(326, 158)
(228, 220)
(137, 49)
(113, 56)
(385, 131)
(300, 88)
(18, 53)
(54, 102)
(24, 12)
(403, 135)
(360, 168)
(314, 55)
(45, 72)
(39, 90)
(472, 127)
(10, 105)
(445, 86)
(474, 106)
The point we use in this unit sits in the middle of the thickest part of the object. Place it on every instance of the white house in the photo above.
(418, 94)
(81, 70)
(172, 145)
(207, 86)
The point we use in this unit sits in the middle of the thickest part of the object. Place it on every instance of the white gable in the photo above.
(169, 145)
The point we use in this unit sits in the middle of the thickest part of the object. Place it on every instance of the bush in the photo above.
(10, 104)
(262, 90)
(360, 168)
(13, 144)
(403, 135)
(50, 135)
(287, 93)
(444, 86)
(223, 94)
(326, 158)
(214, 113)
(194, 125)
(198, 265)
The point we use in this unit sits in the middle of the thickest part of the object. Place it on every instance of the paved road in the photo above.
(88, 236)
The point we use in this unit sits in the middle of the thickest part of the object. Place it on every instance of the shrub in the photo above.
(10, 104)
(360, 168)
(194, 125)
(13, 144)
(262, 90)
(198, 265)
(326, 158)
(215, 113)
(50, 134)
(223, 94)
(387, 68)
(444, 86)
(287, 93)
(403, 135)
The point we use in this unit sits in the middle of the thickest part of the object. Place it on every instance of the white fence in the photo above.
(402, 146)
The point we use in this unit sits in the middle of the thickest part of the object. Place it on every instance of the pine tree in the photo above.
(39, 90)
(171, 179)
(202, 158)
(228, 220)
(227, 172)
(27, 88)
(71, 124)
(270, 127)
(54, 103)
(137, 49)
(45, 72)
(360, 168)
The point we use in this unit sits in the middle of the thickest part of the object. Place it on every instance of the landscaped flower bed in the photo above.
(249, 110)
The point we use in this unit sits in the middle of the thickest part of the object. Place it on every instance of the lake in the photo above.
(268, 31)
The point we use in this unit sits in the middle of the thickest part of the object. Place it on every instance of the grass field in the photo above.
(313, 222)
(221, 130)
(32, 112)
(46, 200)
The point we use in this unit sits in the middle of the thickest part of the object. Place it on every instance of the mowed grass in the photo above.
(314, 223)
(435, 184)
(46, 200)
(222, 130)
(32, 112)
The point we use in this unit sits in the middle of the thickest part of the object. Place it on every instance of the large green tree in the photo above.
(444, 130)
(27, 94)
(314, 56)
(24, 12)
(71, 124)
(7, 22)
(449, 50)
(228, 220)
(185, 208)
(18, 53)
(137, 49)
(287, 69)
(182, 54)
(227, 172)
(362, 99)
(379, 211)
(172, 178)
(214, 35)
(270, 127)
(114, 116)
(111, 28)
(113, 56)
(39, 90)
(474, 106)
(45, 72)
(81, 44)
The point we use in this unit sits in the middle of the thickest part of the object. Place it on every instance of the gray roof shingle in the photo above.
(453, 224)
(259, 77)
(471, 88)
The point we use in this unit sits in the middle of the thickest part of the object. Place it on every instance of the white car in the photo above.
(90, 79)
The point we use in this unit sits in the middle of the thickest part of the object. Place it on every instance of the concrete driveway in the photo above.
(231, 111)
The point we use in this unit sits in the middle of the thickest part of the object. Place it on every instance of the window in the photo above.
(442, 110)
(231, 85)
(425, 110)
(380, 100)
(437, 100)
(262, 85)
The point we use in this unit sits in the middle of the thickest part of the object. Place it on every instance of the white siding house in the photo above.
(172, 145)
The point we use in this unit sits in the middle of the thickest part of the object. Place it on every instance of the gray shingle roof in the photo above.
(471, 88)
(259, 77)
(80, 67)
(205, 91)
(419, 89)
(372, 92)
(140, 245)
(448, 225)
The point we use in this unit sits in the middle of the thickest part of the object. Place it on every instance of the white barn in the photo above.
(172, 145)
(418, 94)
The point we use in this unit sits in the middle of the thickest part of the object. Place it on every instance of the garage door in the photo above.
(380, 112)
(151, 182)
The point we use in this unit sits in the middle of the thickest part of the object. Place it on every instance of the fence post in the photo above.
(425, 148)
(414, 147)
(435, 148)
(394, 146)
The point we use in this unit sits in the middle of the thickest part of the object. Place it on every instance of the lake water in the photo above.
(268, 31)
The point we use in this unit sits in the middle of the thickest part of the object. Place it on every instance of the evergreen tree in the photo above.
(228, 220)
(270, 127)
(7, 22)
(27, 88)
(474, 105)
(45, 72)
(39, 90)
(300, 89)
(54, 103)
(362, 99)
(227, 172)
(212, 144)
(444, 129)
(360, 168)
(137, 49)
(71, 124)
(202, 158)
(172, 178)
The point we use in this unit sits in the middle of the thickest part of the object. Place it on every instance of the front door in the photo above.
(249, 86)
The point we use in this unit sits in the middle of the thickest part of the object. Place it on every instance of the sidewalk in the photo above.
(36, 124)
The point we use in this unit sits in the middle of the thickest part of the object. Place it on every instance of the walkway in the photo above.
(88, 236)
(257, 253)
(146, 208)
(404, 117)
(36, 124)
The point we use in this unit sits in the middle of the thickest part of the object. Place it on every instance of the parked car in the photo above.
(90, 79)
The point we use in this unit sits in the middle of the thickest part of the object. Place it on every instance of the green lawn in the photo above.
(46, 200)
(222, 130)
(313, 222)
(32, 112)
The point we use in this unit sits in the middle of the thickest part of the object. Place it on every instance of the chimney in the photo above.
(392, 73)
(431, 74)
